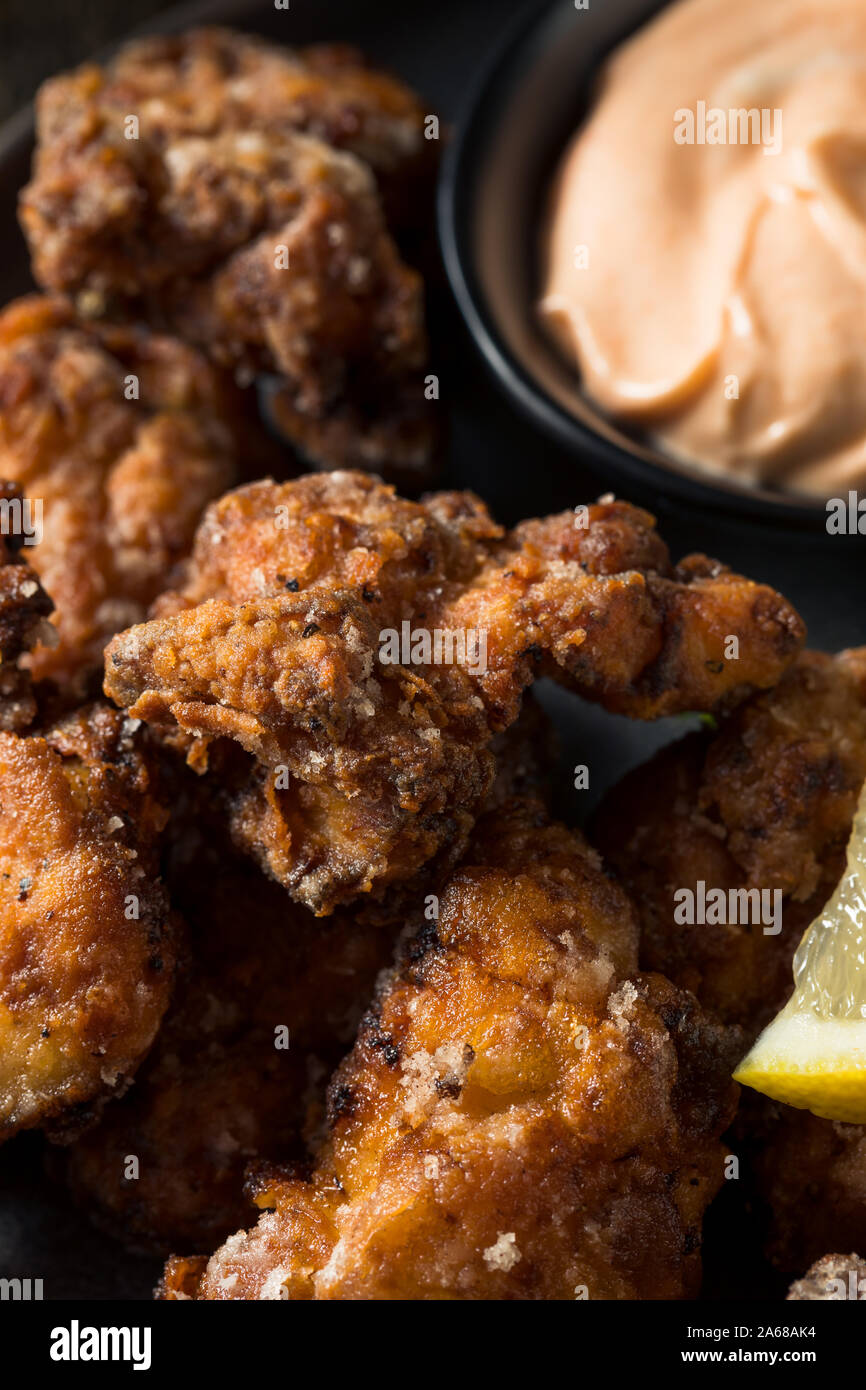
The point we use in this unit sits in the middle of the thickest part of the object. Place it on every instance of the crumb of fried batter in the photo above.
(123, 438)
(833, 1278)
(86, 942)
(474, 1151)
(766, 802)
(366, 770)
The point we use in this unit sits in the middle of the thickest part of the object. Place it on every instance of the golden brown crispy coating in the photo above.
(521, 1117)
(221, 1086)
(833, 1278)
(343, 531)
(768, 803)
(361, 780)
(366, 769)
(215, 1092)
(86, 951)
(238, 215)
(122, 482)
(599, 605)
(196, 85)
(24, 612)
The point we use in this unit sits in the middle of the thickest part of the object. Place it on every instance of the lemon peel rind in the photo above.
(811, 1063)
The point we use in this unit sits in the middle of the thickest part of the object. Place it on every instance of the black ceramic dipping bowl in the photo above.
(496, 180)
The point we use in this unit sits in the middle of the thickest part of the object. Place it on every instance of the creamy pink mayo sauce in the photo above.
(705, 258)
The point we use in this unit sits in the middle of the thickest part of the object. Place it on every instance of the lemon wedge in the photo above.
(813, 1054)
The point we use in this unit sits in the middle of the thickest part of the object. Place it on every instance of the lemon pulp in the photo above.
(813, 1054)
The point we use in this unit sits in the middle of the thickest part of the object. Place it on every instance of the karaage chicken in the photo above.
(232, 191)
(224, 1084)
(196, 85)
(86, 944)
(259, 1020)
(121, 438)
(330, 686)
(765, 803)
(522, 1116)
(267, 1003)
(290, 636)
(220, 215)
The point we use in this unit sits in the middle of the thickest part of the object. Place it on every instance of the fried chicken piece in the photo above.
(238, 215)
(831, 1279)
(215, 1092)
(222, 1084)
(521, 1117)
(598, 605)
(196, 85)
(368, 769)
(767, 803)
(122, 481)
(360, 781)
(244, 214)
(86, 947)
(24, 612)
